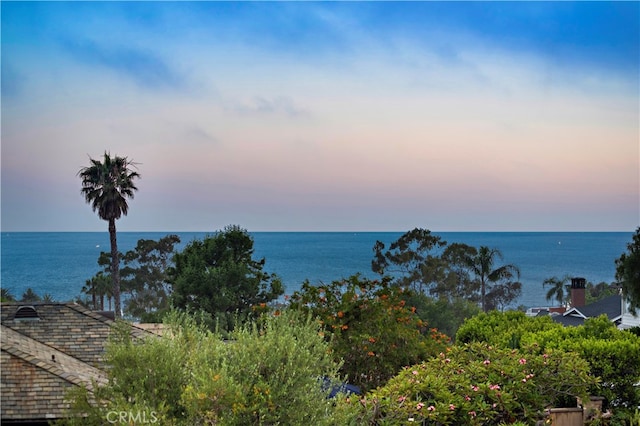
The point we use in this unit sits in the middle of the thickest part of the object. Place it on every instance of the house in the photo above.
(628, 319)
(46, 349)
(614, 307)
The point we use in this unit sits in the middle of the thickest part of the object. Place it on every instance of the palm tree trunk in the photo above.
(115, 266)
(483, 292)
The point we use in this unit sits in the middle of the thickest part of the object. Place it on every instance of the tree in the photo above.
(558, 290)
(145, 277)
(599, 291)
(218, 275)
(30, 296)
(106, 186)
(98, 287)
(414, 260)
(482, 265)
(370, 327)
(6, 296)
(459, 282)
(628, 272)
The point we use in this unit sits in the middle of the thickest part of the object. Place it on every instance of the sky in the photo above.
(325, 116)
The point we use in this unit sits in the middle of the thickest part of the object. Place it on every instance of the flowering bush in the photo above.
(370, 328)
(613, 355)
(478, 384)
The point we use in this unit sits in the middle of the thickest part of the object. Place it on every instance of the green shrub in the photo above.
(613, 355)
(478, 384)
(269, 372)
(370, 327)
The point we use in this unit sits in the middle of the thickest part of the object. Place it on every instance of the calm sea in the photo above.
(59, 263)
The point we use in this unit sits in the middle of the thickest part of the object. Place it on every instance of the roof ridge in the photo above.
(138, 332)
(88, 312)
(65, 366)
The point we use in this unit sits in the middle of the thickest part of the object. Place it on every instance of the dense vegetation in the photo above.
(277, 362)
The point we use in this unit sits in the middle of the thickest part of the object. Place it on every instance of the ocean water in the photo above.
(59, 263)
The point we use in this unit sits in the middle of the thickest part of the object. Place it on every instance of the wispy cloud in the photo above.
(279, 105)
(143, 67)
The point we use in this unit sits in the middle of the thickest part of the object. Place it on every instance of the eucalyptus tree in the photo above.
(145, 277)
(414, 260)
(106, 186)
(487, 274)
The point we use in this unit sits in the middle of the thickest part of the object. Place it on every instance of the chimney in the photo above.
(578, 286)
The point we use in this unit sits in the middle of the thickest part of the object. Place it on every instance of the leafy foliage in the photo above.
(558, 290)
(628, 272)
(613, 355)
(370, 327)
(414, 259)
(424, 263)
(498, 284)
(444, 314)
(219, 276)
(479, 384)
(6, 295)
(270, 372)
(145, 277)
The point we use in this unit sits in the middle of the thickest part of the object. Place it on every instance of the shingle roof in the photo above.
(42, 358)
(611, 306)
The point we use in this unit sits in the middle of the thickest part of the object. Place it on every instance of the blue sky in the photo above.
(348, 116)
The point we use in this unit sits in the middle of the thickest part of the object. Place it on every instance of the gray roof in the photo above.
(42, 357)
(610, 306)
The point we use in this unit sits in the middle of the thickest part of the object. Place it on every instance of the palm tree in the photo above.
(6, 296)
(482, 265)
(106, 186)
(558, 290)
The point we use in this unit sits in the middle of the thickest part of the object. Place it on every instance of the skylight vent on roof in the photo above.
(26, 313)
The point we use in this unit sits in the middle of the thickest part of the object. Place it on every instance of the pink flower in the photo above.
(524, 380)
(494, 387)
(472, 413)
(431, 408)
(475, 388)
(447, 360)
(522, 361)
(467, 398)
(452, 407)
(414, 372)
(486, 362)
(402, 398)
(419, 406)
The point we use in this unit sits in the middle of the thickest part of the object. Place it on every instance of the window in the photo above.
(26, 313)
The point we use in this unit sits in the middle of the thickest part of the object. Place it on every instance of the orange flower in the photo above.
(340, 314)
(372, 340)
(344, 327)
(370, 353)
